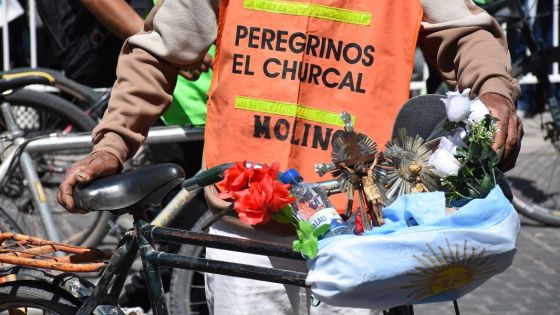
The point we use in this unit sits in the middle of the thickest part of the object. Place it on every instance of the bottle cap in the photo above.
(291, 175)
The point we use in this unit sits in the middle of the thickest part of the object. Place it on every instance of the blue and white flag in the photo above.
(420, 255)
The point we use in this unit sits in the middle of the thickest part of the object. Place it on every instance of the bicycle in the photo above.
(135, 197)
(30, 114)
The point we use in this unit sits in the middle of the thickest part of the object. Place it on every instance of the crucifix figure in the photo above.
(354, 163)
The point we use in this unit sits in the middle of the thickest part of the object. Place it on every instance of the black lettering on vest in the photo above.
(267, 38)
(262, 128)
(288, 69)
(347, 81)
(332, 49)
(237, 63)
(302, 71)
(312, 43)
(348, 55)
(282, 129)
(248, 66)
(305, 134)
(323, 46)
(314, 73)
(294, 140)
(325, 79)
(318, 139)
(253, 36)
(359, 84)
(368, 56)
(281, 40)
(266, 69)
(240, 33)
(297, 46)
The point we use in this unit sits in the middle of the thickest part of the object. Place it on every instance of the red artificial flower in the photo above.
(236, 178)
(281, 196)
(256, 192)
(251, 204)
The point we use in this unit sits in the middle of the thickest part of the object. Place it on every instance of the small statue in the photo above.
(414, 169)
(369, 187)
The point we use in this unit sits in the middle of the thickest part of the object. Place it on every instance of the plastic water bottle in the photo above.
(313, 205)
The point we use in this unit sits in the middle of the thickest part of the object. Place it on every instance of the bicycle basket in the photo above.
(420, 255)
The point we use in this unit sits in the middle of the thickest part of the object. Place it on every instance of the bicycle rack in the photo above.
(28, 251)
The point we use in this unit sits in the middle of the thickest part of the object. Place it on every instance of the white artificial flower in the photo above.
(447, 145)
(457, 105)
(444, 163)
(478, 111)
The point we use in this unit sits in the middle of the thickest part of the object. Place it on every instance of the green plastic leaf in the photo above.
(306, 228)
(284, 215)
(308, 238)
(321, 230)
(308, 247)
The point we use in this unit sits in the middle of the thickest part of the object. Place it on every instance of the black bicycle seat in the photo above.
(137, 189)
(12, 81)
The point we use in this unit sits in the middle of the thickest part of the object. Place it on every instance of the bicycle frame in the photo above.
(141, 239)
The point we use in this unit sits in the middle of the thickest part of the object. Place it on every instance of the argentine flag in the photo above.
(420, 255)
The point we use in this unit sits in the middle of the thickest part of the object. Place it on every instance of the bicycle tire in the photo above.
(82, 95)
(55, 113)
(534, 211)
(37, 294)
(188, 285)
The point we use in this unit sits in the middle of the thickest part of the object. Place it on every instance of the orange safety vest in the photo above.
(285, 70)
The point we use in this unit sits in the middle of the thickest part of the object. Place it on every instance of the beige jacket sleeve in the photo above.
(176, 36)
(464, 41)
(468, 47)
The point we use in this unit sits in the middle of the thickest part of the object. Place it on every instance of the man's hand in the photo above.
(98, 164)
(205, 65)
(509, 131)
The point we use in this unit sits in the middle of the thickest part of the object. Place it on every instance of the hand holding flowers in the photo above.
(465, 158)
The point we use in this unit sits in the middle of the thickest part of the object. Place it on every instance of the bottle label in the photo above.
(324, 216)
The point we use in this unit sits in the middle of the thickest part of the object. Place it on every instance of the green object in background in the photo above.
(189, 100)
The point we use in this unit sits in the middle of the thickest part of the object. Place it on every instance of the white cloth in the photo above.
(233, 295)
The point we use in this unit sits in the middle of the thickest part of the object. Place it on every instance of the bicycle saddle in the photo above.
(137, 189)
(18, 80)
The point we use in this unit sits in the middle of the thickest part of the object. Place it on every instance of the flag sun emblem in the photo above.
(446, 269)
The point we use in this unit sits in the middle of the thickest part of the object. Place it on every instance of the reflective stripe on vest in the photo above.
(285, 70)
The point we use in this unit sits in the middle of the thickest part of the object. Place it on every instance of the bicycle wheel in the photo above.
(39, 114)
(30, 297)
(186, 290)
(536, 177)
